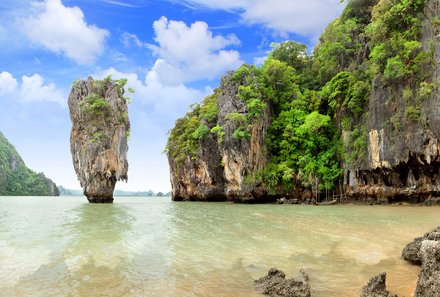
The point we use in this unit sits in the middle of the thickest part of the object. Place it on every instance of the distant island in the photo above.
(16, 179)
(149, 193)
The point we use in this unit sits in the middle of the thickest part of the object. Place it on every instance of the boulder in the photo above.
(376, 287)
(428, 284)
(411, 252)
(275, 284)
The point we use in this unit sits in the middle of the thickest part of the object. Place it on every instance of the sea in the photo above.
(151, 246)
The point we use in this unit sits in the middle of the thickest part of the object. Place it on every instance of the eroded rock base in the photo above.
(100, 199)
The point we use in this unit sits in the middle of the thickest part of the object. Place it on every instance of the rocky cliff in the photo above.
(360, 116)
(16, 179)
(99, 136)
(403, 116)
(217, 168)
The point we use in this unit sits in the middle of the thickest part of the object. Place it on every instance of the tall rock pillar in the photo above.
(99, 136)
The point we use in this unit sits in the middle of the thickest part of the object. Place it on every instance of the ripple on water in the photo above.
(152, 247)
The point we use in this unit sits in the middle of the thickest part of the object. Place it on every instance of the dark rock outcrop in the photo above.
(98, 141)
(275, 284)
(428, 284)
(376, 287)
(411, 252)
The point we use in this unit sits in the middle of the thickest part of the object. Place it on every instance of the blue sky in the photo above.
(172, 52)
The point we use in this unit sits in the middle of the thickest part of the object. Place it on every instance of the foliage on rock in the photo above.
(318, 104)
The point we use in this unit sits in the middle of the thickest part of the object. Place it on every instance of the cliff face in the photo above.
(223, 160)
(360, 116)
(98, 140)
(403, 128)
(16, 179)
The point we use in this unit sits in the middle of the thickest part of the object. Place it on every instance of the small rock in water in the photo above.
(275, 284)
(376, 287)
(282, 200)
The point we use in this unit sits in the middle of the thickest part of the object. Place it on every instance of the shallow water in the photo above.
(153, 247)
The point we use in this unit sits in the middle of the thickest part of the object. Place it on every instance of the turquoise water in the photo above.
(153, 247)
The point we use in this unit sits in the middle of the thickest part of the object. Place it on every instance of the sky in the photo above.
(173, 53)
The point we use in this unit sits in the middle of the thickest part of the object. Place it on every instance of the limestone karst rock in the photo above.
(99, 136)
(353, 118)
(218, 170)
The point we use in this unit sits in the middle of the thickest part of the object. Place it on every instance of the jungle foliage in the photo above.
(313, 99)
(17, 179)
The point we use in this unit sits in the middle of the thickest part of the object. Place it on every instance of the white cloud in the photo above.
(128, 39)
(164, 101)
(8, 84)
(259, 60)
(64, 30)
(34, 89)
(31, 89)
(306, 18)
(119, 3)
(191, 53)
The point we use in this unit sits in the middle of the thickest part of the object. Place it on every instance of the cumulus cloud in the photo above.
(164, 101)
(8, 84)
(34, 89)
(190, 53)
(307, 18)
(31, 89)
(64, 30)
(129, 39)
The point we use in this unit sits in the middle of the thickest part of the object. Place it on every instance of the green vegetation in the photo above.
(95, 105)
(312, 100)
(18, 180)
(96, 110)
(200, 122)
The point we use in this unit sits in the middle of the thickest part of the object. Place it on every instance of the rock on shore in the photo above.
(428, 284)
(376, 287)
(275, 284)
(411, 252)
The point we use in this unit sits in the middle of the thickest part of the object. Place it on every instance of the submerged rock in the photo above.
(376, 287)
(428, 284)
(275, 284)
(98, 140)
(411, 252)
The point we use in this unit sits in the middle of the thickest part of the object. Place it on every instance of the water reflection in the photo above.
(100, 232)
(93, 263)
